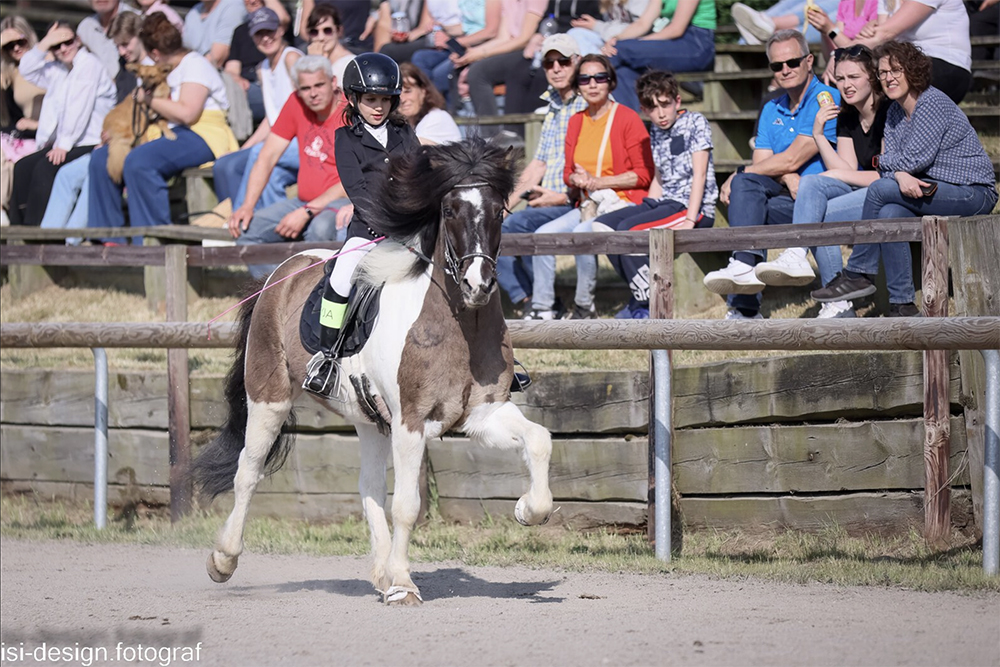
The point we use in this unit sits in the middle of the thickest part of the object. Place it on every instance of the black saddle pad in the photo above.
(362, 312)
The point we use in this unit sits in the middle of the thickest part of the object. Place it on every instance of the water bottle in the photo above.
(549, 26)
(432, 35)
(400, 23)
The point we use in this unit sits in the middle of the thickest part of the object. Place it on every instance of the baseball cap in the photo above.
(562, 43)
(263, 19)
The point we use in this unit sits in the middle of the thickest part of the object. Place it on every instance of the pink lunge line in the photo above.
(269, 286)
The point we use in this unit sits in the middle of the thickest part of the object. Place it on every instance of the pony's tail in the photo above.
(214, 470)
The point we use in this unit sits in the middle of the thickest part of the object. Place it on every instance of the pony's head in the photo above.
(448, 201)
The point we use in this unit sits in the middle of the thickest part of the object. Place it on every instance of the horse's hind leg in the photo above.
(505, 427)
(264, 421)
(407, 453)
(371, 483)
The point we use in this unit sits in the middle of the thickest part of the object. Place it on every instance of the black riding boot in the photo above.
(323, 370)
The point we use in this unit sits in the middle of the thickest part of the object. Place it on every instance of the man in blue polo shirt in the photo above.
(763, 193)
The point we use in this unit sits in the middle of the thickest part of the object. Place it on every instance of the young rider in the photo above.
(372, 132)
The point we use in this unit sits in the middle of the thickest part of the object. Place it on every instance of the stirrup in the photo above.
(322, 375)
(520, 381)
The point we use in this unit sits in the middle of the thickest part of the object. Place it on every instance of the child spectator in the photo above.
(683, 192)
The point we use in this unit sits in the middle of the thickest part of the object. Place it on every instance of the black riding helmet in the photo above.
(373, 73)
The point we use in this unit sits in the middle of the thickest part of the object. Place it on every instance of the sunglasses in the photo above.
(16, 44)
(855, 51)
(585, 79)
(56, 47)
(791, 62)
(327, 31)
(549, 63)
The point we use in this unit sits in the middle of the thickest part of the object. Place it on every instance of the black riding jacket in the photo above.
(361, 162)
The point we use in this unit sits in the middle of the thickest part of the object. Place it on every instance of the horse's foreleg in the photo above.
(407, 453)
(371, 483)
(505, 427)
(264, 421)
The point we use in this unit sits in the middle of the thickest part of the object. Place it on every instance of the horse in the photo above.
(439, 358)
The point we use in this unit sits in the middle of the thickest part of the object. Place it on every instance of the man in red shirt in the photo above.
(312, 116)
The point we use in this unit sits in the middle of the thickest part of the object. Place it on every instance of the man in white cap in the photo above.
(541, 182)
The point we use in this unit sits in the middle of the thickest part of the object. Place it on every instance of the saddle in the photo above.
(359, 322)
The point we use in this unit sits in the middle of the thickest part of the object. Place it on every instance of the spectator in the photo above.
(984, 21)
(851, 20)
(79, 94)
(480, 23)
(93, 33)
(490, 61)
(196, 113)
(423, 108)
(435, 15)
(412, 9)
(147, 7)
(245, 57)
(232, 172)
(607, 149)
(325, 30)
(312, 116)
(683, 192)
(838, 194)
(356, 30)
(541, 183)
(591, 34)
(933, 164)
(757, 27)
(20, 100)
(764, 192)
(124, 33)
(686, 43)
(209, 27)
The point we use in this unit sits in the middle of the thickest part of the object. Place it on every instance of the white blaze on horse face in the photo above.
(473, 275)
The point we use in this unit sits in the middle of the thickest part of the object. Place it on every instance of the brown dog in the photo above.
(126, 124)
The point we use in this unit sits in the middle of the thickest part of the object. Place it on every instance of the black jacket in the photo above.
(361, 163)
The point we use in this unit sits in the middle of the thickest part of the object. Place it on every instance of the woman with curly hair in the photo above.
(932, 163)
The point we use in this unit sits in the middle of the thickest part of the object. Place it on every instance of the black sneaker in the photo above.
(903, 310)
(842, 288)
(581, 313)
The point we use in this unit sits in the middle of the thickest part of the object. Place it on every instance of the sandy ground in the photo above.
(302, 610)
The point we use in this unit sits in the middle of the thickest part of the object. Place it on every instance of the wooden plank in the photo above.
(178, 387)
(173, 232)
(889, 513)
(974, 247)
(61, 255)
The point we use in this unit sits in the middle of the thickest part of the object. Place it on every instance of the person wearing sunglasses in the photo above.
(357, 22)
(932, 164)
(763, 193)
(209, 26)
(324, 30)
(20, 100)
(838, 194)
(79, 94)
(608, 160)
(541, 183)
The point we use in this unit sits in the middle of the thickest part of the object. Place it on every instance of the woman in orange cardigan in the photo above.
(608, 159)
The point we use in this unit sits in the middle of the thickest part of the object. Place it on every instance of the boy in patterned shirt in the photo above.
(683, 192)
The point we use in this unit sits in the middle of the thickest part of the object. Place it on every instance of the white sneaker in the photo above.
(734, 314)
(541, 315)
(791, 269)
(737, 278)
(747, 36)
(835, 309)
(756, 23)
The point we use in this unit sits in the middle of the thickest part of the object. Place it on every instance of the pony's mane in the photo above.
(409, 204)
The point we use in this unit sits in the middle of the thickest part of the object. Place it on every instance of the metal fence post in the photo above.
(991, 465)
(100, 437)
(662, 445)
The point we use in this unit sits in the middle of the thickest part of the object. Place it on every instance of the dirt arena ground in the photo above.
(302, 610)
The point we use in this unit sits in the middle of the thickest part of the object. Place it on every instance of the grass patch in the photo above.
(831, 556)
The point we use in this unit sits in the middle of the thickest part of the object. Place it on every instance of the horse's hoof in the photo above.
(519, 512)
(397, 596)
(218, 576)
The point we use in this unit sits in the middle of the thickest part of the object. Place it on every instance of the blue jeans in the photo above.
(231, 173)
(147, 169)
(694, 51)
(825, 199)
(756, 200)
(435, 64)
(261, 230)
(68, 202)
(515, 273)
(884, 200)
(544, 266)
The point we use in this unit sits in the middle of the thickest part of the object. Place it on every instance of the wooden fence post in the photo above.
(178, 386)
(974, 245)
(937, 424)
(661, 306)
